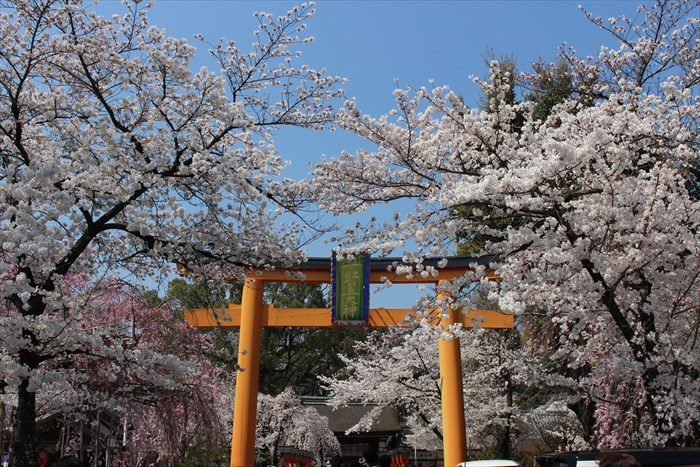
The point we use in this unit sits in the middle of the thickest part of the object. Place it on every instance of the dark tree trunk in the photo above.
(505, 447)
(24, 445)
(2, 420)
(24, 442)
(584, 409)
(81, 449)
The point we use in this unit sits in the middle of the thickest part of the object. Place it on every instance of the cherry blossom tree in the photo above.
(284, 421)
(128, 359)
(117, 158)
(394, 369)
(591, 213)
(657, 42)
(193, 424)
(399, 369)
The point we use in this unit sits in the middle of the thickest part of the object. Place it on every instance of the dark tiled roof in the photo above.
(343, 418)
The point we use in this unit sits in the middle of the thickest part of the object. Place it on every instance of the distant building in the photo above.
(384, 435)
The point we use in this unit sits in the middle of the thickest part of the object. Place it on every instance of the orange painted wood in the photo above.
(321, 317)
(247, 376)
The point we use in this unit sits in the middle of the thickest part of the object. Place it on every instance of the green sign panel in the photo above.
(350, 289)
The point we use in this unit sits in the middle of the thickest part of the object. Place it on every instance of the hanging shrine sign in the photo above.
(350, 288)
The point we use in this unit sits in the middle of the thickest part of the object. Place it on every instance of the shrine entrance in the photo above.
(350, 304)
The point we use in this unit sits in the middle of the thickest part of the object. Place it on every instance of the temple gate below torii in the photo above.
(252, 315)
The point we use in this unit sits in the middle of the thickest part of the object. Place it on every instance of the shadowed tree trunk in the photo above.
(24, 444)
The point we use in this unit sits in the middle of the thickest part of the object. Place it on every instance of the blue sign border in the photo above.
(365, 291)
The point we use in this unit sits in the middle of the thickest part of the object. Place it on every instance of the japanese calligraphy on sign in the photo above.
(350, 284)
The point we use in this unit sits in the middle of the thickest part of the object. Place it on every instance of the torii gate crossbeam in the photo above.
(252, 315)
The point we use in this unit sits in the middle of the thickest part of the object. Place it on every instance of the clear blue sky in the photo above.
(375, 43)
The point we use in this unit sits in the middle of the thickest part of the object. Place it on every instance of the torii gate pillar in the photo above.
(246, 400)
(454, 437)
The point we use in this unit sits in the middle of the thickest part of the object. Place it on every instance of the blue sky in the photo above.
(375, 44)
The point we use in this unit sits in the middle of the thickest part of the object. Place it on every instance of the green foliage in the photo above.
(152, 299)
(549, 84)
(198, 456)
(474, 243)
(203, 294)
(508, 69)
(296, 357)
(183, 294)
(291, 357)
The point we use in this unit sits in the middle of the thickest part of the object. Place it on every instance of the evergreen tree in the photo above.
(296, 357)
(290, 357)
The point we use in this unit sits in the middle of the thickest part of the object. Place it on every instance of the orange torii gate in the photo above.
(252, 315)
